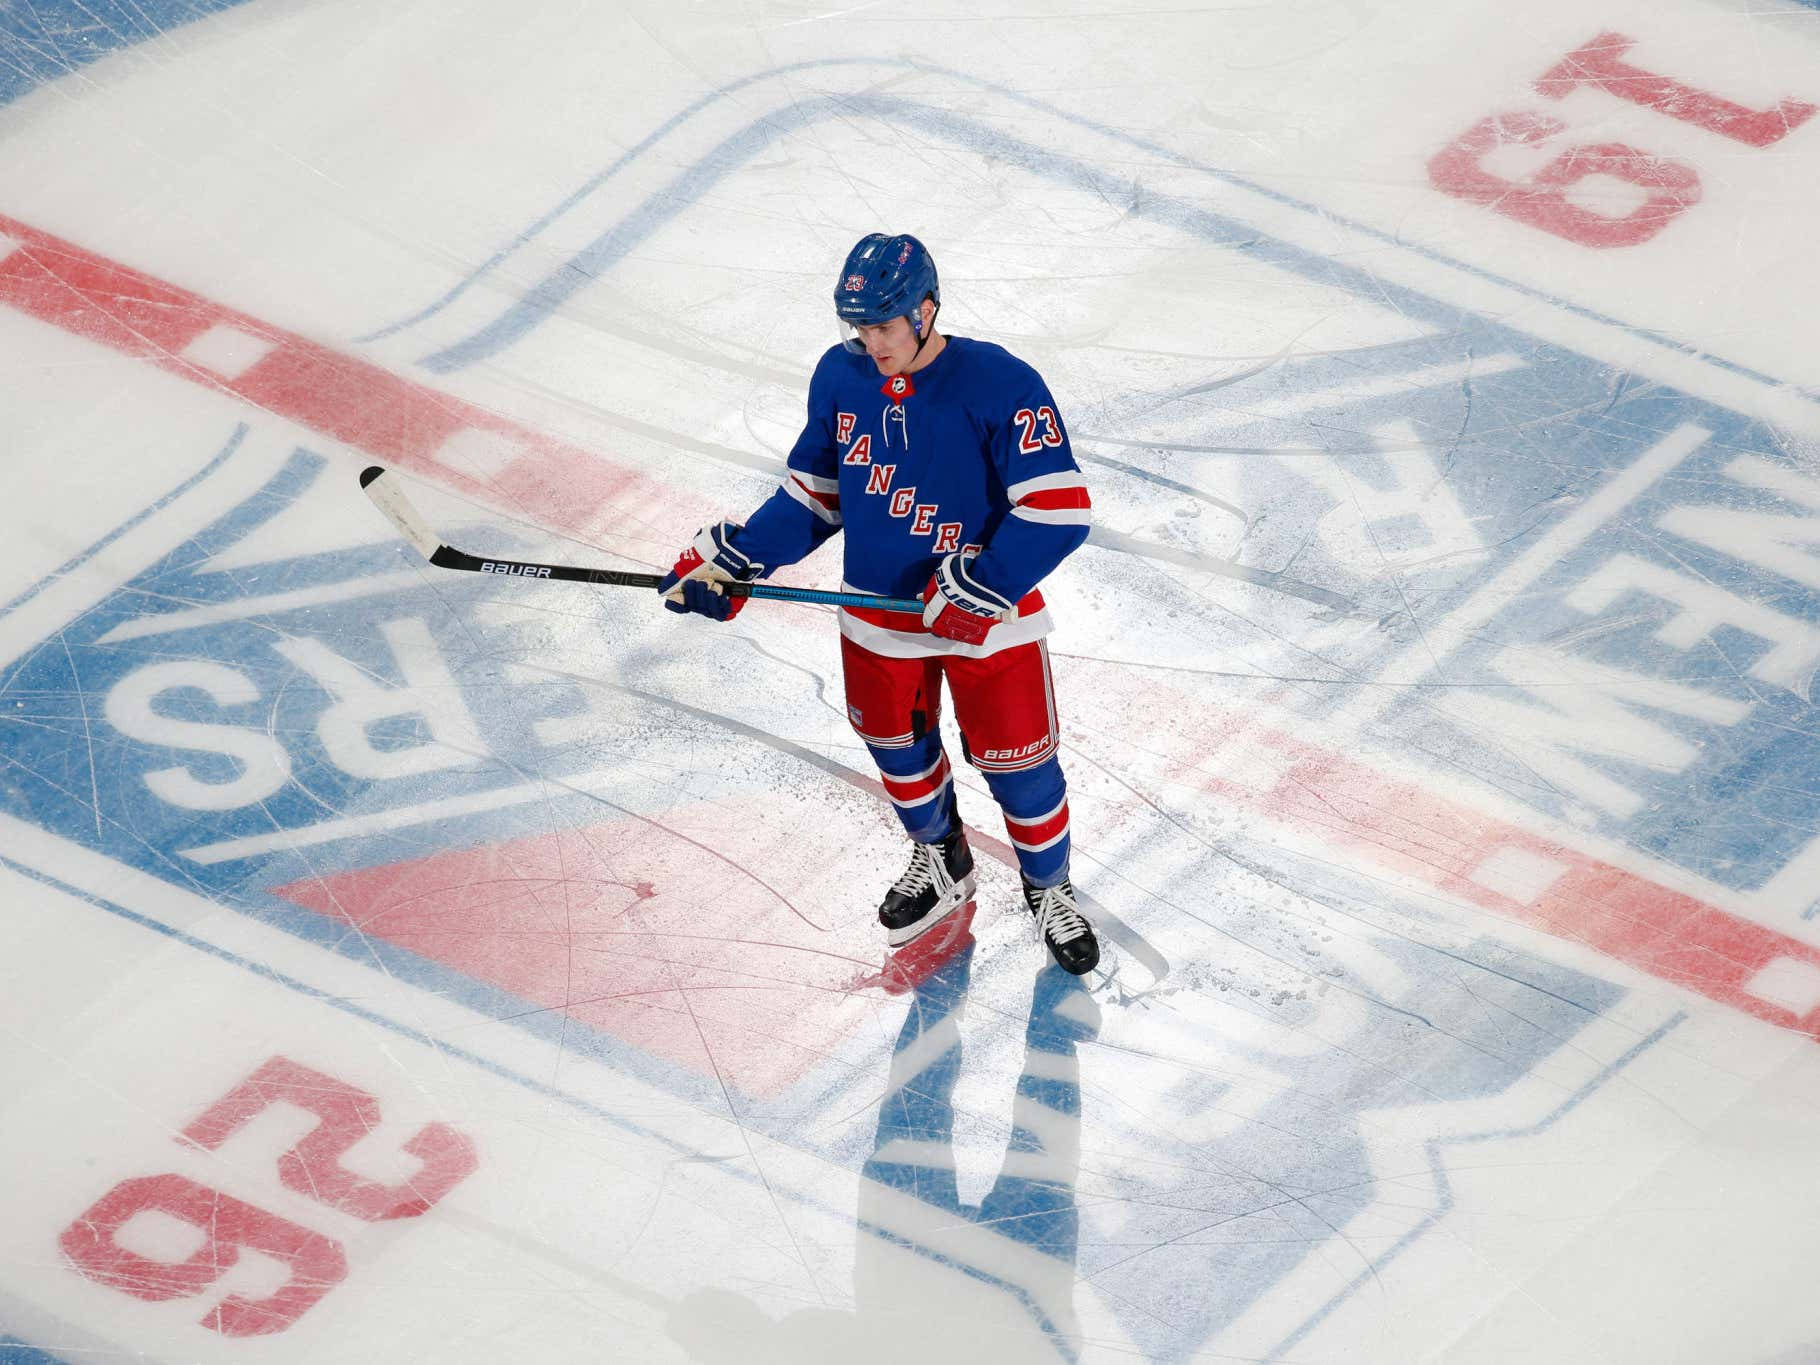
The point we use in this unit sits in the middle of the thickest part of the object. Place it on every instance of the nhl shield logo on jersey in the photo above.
(898, 387)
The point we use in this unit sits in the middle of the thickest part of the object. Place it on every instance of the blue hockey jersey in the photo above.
(968, 452)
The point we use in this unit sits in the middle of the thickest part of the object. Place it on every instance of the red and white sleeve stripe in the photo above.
(821, 496)
(1053, 499)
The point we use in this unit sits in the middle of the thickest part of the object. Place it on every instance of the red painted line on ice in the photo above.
(1500, 866)
(1514, 872)
(385, 415)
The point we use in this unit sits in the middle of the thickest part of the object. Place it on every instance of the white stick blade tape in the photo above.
(389, 498)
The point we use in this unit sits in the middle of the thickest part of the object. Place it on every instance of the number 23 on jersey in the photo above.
(1028, 442)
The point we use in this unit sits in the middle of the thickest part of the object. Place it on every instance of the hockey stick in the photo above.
(389, 498)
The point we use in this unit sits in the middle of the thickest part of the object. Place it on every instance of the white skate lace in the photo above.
(921, 872)
(1057, 917)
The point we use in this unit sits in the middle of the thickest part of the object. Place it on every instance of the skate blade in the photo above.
(908, 967)
(960, 894)
(1104, 974)
(944, 940)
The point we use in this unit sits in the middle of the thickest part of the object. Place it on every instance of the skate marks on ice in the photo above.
(934, 1273)
(636, 197)
(50, 39)
(1259, 1188)
(398, 839)
(1114, 928)
(1560, 369)
(1425, 475)
(367, 758)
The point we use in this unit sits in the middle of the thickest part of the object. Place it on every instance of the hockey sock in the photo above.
(920, 784)
(1035, 804)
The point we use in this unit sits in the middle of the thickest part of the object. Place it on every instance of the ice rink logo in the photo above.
(274, 719)
(1312, 1151)
(1615, 577)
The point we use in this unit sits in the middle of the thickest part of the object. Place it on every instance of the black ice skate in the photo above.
(1063, 927)
(938, 881)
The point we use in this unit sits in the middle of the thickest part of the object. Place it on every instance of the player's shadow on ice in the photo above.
(935, 1278)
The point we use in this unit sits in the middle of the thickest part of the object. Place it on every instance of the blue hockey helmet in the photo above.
(884, 277)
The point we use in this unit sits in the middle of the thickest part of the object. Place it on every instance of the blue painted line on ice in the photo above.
(346, 1006)
(675, 197)
(79, 560)
(575, 197)
(1047, 1325)
(16, 1352)
(48, 39)
(1438, 1170)
(142, 828)
(549, 1023)
(731, 1165)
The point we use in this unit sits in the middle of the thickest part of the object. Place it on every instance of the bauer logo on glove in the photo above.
(957, 606)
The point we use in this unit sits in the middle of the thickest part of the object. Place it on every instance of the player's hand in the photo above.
(956, 606)
(711, 559)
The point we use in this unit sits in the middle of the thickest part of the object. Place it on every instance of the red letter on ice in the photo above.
(227, 1226)
(1669, 186)
(313, 1166)
(1601, 63)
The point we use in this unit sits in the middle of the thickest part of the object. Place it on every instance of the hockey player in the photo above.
(946, 463)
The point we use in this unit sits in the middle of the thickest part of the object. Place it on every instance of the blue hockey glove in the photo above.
(693, 583)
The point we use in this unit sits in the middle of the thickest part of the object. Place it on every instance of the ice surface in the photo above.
(406, 965)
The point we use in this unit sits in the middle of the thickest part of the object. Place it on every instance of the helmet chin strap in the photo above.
(922, 334)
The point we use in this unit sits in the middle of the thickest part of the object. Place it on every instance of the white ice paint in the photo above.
(1703, 606)
(359, 700)
(263, 765)
(1575, 710)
